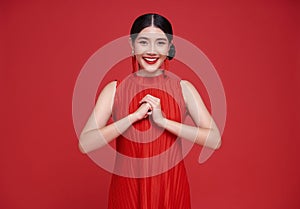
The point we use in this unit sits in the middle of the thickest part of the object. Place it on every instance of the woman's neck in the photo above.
(145, 73)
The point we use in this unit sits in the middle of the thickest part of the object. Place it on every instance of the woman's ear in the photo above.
(169, 47)
(130, 43)
(170, 44)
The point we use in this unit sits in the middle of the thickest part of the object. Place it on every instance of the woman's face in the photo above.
(151, 48)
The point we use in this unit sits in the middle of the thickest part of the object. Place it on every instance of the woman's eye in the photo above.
(143, 42)
(161, 43)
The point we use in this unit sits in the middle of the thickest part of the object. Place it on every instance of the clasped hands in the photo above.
(150, 105)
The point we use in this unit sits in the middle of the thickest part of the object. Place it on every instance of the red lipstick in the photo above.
(150, 60)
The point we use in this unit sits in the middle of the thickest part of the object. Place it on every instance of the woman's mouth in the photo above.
(150, 60)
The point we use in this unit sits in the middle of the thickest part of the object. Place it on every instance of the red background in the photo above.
(254, 46)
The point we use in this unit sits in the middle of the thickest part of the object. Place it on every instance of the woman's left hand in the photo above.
(157, 116)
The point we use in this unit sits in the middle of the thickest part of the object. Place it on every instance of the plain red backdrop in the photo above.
(254, 46)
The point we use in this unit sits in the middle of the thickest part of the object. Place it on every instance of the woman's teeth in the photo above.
(150, 59)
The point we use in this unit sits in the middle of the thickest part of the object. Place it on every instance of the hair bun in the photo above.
(172, 52)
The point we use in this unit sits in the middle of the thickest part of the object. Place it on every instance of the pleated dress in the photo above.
(149, 170)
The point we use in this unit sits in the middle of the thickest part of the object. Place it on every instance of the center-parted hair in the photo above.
(156, 20)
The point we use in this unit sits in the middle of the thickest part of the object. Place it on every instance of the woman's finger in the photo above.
(150, 103)
(150, 97)
(153, 102)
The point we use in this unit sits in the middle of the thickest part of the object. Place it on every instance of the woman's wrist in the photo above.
(132, 118)
(162, 122)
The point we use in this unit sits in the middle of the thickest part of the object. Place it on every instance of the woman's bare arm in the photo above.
(96, 133)
(205, 132)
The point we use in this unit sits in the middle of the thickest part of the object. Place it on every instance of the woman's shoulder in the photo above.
(111, 85)
(186, 83)
(188, 90)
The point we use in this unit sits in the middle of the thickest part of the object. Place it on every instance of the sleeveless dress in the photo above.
(150, 184)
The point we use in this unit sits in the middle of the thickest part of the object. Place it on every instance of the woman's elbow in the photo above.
(81, 149)
(81, 144)
(217, 140)
(218, 144)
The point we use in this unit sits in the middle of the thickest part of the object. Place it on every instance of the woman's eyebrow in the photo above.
(159, 39)
(143, 37)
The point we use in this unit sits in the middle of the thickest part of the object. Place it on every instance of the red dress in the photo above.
(144, 185)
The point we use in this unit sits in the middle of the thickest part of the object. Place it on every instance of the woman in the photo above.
(148, 108)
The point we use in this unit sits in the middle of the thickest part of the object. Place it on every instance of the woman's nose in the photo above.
(152, 49)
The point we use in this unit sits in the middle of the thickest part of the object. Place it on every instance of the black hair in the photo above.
(156, 20)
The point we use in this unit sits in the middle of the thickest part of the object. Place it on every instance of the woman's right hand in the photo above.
(142, 111)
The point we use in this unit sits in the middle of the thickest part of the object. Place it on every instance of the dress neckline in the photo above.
(149, 80)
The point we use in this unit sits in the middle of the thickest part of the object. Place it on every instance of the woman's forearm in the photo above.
(97, 134)
(98, 137)
(209, 137)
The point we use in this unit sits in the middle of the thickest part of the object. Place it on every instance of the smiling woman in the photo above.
(148, 109)
(151, 49)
